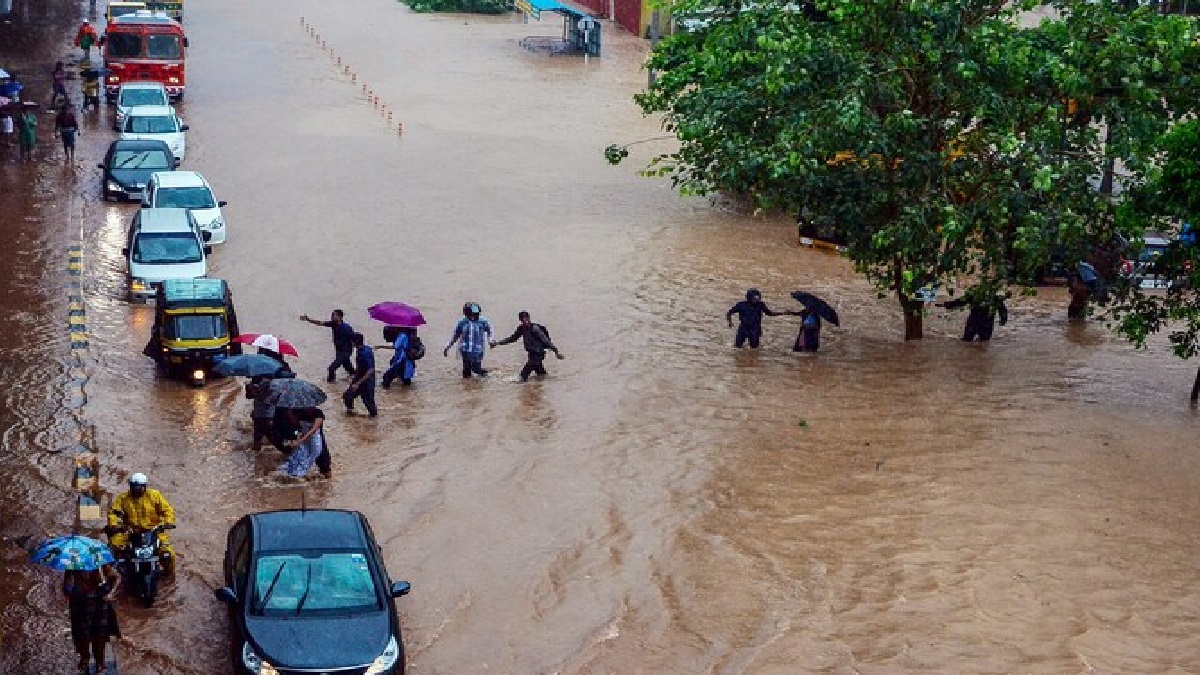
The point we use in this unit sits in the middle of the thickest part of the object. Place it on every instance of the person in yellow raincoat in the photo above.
(142, 508)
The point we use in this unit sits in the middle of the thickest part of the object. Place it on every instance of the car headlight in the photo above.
(113, 186)
(173, 80)
(138, 285)
(254, 663)
(387, 659)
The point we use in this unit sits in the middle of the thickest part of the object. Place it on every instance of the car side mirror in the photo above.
(185, 42)
(207, 250)
(125, 252)
(206, 236)
(220, 204)
(175, 163)
(183, 127)
(99, 166)
(225, 594)
(401, 588)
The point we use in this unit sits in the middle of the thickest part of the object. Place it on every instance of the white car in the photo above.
(156, 123)
(135, 94)
(163, 244)
(187, 190)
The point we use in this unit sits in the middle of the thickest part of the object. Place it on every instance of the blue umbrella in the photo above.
(247, 365)
(72, 553)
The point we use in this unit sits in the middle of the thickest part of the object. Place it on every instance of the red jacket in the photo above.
(86, 29)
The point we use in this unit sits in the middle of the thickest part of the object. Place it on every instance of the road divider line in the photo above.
(85, 476)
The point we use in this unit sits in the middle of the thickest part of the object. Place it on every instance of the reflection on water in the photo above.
(660, 502)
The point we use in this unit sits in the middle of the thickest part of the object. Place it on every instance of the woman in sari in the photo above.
(310, 448)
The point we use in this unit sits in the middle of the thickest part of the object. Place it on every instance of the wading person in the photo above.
(472, 333)
(262, 415)
(67, 127)
(982, 319)
(536, 340)
(93, 620)
(809, 338)
(362, 385)
(310, 449)
(750, 313)
(85, 37)
(27, 132)
(408, 350)
(343, 346)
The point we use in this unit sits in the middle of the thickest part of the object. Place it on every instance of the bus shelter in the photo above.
(580, 34)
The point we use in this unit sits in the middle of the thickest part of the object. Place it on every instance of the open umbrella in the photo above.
(247, 365)
(814, 304)
(267, 341)
(294, 394)
(4, 74)
(396, 314)
(72, 553)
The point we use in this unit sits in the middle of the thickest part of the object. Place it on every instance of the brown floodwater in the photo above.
(661, 503)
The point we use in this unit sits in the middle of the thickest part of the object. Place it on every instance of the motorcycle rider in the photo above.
(142, 508)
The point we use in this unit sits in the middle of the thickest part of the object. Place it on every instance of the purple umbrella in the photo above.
(396, 314)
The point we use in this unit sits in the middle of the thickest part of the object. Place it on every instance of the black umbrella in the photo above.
(816, 305)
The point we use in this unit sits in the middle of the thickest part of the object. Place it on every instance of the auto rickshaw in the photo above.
(194, 327)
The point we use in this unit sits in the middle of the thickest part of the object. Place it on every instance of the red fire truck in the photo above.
(144, 47)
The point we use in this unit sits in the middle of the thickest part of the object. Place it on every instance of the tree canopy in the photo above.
(944, 142)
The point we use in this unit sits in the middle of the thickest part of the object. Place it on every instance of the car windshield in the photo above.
(166, 248)
(163, 46)
(150, 124)
(293, 584)
(124, 45)
(114, 12)
(132, 97)
(195, 327)
(140, 159)
(184, 198)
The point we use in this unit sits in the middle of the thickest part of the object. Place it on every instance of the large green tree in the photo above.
(1164, 203)
(945, 142)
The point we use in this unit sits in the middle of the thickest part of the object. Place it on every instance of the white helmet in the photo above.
(139, 479)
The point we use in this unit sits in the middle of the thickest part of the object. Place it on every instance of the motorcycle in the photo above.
(141, 561)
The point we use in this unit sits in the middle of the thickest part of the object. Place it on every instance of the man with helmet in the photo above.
(142, 508)
(750, 313)
(471, 333)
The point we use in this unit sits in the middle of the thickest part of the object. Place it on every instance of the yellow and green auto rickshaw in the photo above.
(194, 327)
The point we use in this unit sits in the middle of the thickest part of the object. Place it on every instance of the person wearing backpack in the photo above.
(536, 339)
(409, 349)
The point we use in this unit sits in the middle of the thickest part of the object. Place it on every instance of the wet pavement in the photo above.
(661, 503)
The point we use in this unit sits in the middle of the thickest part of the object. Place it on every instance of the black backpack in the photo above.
(546, 332)
(416, 349)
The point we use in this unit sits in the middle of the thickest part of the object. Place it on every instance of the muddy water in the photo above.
(661, 503)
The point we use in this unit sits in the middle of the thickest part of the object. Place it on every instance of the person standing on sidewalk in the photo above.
(362, 385)
(471, 333)
(27, 132)
(67, 126)
(536, 340)
(343, 345)
(86, 37)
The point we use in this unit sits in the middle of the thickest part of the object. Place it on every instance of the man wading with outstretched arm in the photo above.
(343, 342)
(536, 340)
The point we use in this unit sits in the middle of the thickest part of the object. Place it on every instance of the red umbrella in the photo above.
(267, 341)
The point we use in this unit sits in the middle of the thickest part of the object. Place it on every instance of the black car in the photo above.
(128, 164)
(308, 593)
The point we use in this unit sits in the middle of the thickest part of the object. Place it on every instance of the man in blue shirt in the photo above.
(402, 365)
(471, 333)
(362, 384)
(343, 346)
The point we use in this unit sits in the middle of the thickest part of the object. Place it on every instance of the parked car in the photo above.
(128, 166)
(1141, 269)
(136, 94)
(159, 123)
(307, 592)
(187, 190)
(163, 244)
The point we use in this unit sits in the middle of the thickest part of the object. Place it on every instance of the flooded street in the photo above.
(661, 503)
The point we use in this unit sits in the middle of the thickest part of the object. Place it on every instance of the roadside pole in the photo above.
(655, 38)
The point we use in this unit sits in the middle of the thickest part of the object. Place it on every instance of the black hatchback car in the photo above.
(308, 593)
(128, 164)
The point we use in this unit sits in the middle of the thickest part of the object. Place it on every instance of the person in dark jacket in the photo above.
(343, 345)
(981, 320)
(750, 313)
(93, 619)
(536, 340)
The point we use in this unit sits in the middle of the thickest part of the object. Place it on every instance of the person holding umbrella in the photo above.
(815, 309)
(296, 402)
(400, 332)
(90, 582)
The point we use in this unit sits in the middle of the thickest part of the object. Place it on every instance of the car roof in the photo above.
(139, 144)
(170, 179)
(151, 110)
(194, 292)
(1156, 241)
(143, 85)
(308, 529)
(165, 220)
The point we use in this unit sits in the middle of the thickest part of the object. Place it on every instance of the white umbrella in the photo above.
(4, 74)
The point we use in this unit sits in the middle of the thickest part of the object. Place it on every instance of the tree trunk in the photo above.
(914, 318)
(1196, 386)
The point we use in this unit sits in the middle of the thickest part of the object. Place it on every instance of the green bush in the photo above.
(470, 6)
